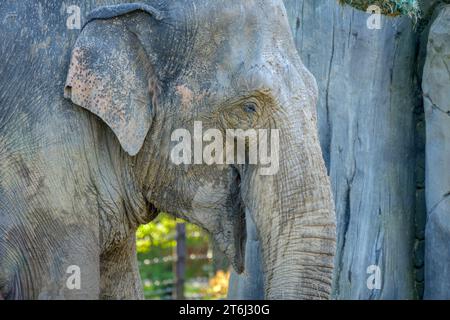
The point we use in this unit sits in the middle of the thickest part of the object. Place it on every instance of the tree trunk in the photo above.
(436, 87)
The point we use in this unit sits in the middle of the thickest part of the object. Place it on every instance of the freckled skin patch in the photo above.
(186, 95)
(113, 86)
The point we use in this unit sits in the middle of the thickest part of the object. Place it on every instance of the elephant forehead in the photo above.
(238, 23)
(236, 37)
(240, 12)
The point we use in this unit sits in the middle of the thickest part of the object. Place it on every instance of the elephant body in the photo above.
(86, 117)
(55, 170)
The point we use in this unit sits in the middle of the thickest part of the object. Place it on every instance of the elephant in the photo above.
(87, 121)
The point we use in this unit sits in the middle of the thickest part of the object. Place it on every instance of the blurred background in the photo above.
(177, 260)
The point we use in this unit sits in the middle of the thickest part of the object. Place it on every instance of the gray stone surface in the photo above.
(436, 87)
(367, 124)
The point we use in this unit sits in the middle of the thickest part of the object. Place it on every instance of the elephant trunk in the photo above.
(294, 214)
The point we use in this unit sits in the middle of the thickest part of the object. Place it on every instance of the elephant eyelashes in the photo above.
(250, 107)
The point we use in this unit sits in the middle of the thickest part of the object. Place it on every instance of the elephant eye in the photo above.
(250, 107)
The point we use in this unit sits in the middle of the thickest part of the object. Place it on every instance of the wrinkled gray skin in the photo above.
(85, 148)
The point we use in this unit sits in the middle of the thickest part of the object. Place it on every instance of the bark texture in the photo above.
(436, 87)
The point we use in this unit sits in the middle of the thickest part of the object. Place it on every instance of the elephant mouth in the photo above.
(241, 239)
(240, 232)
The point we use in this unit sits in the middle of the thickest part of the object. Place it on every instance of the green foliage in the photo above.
(388, 7)
(160, 233)
(155, 246)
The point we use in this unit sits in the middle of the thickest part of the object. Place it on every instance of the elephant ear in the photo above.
(110, 75)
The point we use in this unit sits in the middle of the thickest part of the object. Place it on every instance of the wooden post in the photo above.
(180, 262)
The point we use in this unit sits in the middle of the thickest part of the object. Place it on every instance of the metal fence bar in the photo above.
(180, 262)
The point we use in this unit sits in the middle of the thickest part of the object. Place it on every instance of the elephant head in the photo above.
(179, 72)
